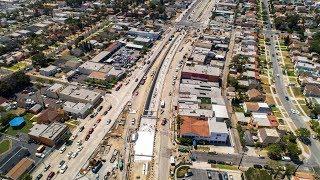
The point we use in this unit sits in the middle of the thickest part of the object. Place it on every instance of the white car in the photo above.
(293, 111)
(133, 121)
(62, 149)
(75, 154)
(79, 143)
(63, 168)
(69, 154)
(79, 148)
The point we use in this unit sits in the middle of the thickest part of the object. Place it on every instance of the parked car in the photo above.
(69, 154)
(47, 167)
(164, 122)
(75, 154)
(63, 168)
(61, 163)
(81, 128)
(258, 166)
(90, 131)
(62, 149)
(108, 121)
(50, 175)
(39, 176)
(87, 137)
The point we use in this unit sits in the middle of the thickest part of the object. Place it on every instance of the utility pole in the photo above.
(241, 160)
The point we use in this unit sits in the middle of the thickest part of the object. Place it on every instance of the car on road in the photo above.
(99, 108)
(69, 154)
(90, 131)
(62, 149)
(136, 80)
(61, 163)
(75, 154)
(133, 121)
(99, 120)
(63, 168)
(105, 112)
(47, 167)
(211, 161)
(278, 75)
(81, 128)
(79, 143)
(50, 176)
(209, 175)
(293, 111)
(287, 98)
(39, 176)
(79, 148)
(87, 137)
(164, 122)
(257, 166)
(108, 121)
(286, 158)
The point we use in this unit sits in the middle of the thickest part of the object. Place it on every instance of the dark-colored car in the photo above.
(90, 131)
(81, 129)
(287, 98)
(87, 137)
(211, 161)
(50, 176)
(164, 122)
(99, 108)
(39, 176)
(258, 166)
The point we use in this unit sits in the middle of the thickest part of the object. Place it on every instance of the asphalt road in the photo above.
(282, 93)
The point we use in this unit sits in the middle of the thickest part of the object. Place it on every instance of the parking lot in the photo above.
(200, 174)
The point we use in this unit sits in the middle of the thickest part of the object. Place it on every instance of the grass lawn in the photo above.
(297, 92)
(18, 66)
(264, 80)
(269, 99)
(278, 114)
(181, 171)
(293, 79)
(5, 145)
(223, 166)
(290, 73)
(288, 90)
(24, 129)
(305, 109)
(266, 89)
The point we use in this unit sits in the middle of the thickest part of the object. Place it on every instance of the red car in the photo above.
(50, 176)
(90, 131)
(87, 137)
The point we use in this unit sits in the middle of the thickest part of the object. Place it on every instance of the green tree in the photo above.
(5, 89)
(293, 150)
(4, 120)
(303, 133)
(289, 170)
(274, 151)
(314, 124)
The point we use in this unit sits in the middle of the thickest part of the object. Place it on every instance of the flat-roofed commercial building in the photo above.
(49, 135)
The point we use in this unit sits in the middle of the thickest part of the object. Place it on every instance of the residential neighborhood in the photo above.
(160, 89)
